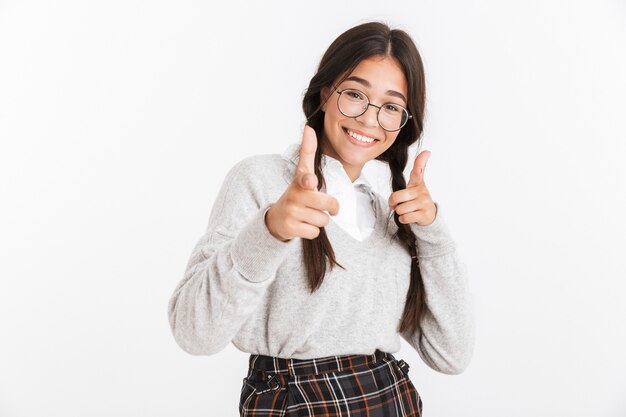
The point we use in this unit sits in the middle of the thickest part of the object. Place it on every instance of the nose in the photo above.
(370, 117)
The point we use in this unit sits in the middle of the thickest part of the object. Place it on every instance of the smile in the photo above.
(359, 139)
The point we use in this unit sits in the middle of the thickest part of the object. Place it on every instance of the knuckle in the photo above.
(291, 198)
(290, 212)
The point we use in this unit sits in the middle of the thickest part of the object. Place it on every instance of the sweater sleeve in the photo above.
(230, 268)
(445, 336)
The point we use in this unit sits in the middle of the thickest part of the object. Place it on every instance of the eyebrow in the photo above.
(368, 85)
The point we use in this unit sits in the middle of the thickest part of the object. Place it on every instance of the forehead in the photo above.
(382, 73)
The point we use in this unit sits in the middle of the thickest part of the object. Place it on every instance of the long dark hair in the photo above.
(340, 59)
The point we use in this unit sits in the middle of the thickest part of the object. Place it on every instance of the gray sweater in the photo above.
(243, 285)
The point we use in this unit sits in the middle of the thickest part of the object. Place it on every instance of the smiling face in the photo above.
(383, 81)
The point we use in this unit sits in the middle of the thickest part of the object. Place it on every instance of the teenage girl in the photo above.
(304, 266)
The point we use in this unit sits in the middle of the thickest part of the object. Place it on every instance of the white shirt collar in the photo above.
(331, 167)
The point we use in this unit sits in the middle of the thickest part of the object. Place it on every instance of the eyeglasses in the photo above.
(353, 103)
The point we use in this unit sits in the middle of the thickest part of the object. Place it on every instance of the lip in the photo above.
(356, 142)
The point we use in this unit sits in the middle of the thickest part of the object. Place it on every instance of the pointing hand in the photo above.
(299, 212)
(414, 203)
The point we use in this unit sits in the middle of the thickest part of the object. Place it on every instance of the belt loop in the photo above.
(404, 366)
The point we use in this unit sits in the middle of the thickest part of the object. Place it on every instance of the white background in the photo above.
(120, 119)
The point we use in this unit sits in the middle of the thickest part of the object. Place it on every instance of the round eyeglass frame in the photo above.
(409, 115)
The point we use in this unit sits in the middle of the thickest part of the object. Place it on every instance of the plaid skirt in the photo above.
(374, 385)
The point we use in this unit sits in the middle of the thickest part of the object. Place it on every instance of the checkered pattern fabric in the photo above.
(374, 385)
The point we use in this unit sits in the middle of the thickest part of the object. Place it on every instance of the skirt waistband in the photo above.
(290, 367)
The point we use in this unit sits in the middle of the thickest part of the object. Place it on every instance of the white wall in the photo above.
(117, 129)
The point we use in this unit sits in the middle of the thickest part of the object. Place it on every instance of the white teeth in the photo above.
(360, 137)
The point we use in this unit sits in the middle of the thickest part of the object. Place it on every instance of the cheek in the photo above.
(332, 130)
(332, 124)
(390, 139)
(332, 111)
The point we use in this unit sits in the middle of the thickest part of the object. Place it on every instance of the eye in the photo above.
(392, 107)
(354, 94)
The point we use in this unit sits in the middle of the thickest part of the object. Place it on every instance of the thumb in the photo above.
(419, 166)
(307, 151)
(307, 181)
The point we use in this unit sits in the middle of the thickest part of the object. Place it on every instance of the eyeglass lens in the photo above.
(353, 103)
